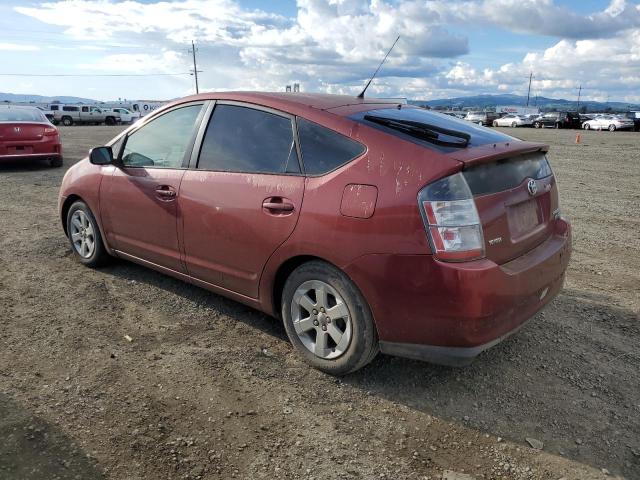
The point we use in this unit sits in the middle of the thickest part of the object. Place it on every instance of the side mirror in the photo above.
(101, 156)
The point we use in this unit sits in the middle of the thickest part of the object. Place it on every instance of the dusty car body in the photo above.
(365, 225)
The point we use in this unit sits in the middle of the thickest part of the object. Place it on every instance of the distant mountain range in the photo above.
(475, 101)
(14, 97)
(483, 101)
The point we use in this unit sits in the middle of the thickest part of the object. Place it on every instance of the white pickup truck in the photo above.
(68, 115)
(126, 116)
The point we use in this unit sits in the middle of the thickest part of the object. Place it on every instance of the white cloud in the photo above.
(334, 45)
(16, 47)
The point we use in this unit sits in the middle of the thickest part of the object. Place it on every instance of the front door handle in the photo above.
(166, 192)
(277, 205)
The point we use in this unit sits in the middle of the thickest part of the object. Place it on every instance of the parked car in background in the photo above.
(512, 120)
(635, 116)
(25, 133)
(250, 194)
(609, 122)
(47, 113)
(558, 120)
(481, 118)
(69, 115)
(126, 116)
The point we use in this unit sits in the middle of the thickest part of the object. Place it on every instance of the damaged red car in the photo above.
(364, 224)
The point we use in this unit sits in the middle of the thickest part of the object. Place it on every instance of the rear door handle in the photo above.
(278, 205)
(166, 192)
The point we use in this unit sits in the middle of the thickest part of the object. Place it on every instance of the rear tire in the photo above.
(338, 345)
(110, 121)
(557, 126)
(514, 125)
(612, 128)
(84, 236)
(537, 125)
(495, 124)
(55, 162)
(586, 126)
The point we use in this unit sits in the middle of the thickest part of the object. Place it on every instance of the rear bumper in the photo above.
(450, 312)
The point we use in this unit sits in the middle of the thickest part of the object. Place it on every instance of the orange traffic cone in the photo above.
(577, 138)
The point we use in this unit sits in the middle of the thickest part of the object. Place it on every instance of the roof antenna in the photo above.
(376, 72)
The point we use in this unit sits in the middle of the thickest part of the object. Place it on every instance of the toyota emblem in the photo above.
(532, 187)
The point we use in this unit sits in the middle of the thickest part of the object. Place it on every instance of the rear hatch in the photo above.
(21, 132)
(517, 201)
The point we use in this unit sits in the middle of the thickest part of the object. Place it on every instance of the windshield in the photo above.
(21, 115)
(477, 135)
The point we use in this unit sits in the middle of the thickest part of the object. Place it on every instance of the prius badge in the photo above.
(16, 129)
(532, 187)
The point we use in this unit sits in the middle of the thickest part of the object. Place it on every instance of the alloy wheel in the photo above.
(321, 319)
(82, 234)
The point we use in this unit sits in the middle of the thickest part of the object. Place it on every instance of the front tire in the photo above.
(586, 126)
(84, 236)
(537, 125)
(55, 162)
(612, 128)
(495, 124)
(67, 121)
(514, 125)
(327, 319)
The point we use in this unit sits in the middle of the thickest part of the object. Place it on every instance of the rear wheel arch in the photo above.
(283, 272)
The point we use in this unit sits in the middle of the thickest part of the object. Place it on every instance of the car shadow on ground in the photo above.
(26, 165)
(564, 379)
(32, 449)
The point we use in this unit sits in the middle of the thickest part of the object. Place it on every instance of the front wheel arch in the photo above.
(64, 211)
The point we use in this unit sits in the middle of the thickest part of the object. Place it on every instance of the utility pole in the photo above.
(195, 66)
(529, 91)
(579, 92)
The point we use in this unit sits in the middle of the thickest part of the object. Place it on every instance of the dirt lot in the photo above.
(211, 389)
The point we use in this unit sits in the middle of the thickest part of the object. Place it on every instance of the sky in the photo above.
(447, 48)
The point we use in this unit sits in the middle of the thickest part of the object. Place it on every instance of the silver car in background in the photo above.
(608, 122)
(513, 120)
(481, 118)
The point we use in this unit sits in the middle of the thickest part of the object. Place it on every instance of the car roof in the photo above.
(285, 101)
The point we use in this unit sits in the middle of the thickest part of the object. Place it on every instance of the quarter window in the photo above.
(324, 150)
(242, 139)
(164, 141)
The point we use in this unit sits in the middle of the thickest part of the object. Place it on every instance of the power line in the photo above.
(93, 74)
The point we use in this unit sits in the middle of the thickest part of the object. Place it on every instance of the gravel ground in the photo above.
(210, 389)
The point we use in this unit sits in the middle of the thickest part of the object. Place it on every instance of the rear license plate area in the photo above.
(19, 150)
(523, 217)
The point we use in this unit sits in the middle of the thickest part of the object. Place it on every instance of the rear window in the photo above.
(21, 115)
(478, 135)
(324, 150)
(506, 174)
(70, 109)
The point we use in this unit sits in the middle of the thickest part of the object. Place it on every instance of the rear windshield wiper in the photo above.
(423, 131)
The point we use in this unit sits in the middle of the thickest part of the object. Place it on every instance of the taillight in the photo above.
(451, 219)
(49, 131)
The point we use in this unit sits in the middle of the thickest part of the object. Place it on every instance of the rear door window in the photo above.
(324, 150)
(244, 139)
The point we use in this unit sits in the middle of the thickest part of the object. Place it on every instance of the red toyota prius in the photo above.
(25, 133)
(364, 225)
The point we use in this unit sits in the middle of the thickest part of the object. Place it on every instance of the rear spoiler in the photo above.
(496, 151)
